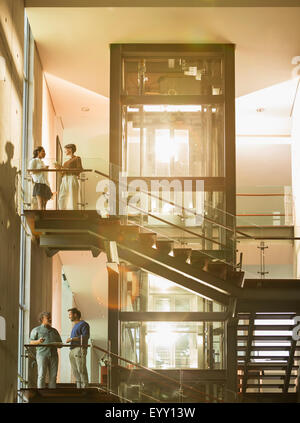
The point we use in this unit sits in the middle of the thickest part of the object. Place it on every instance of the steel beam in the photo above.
(290, 364)
(148, 316)
(231, 358)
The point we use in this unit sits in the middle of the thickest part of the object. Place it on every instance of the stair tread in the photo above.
(283, 327)
(267, 348)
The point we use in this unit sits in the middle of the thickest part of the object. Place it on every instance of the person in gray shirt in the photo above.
(46, 357)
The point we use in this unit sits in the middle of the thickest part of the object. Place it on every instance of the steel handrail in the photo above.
(62, 170)
(173, 224)
(182, 208)
(154, 372)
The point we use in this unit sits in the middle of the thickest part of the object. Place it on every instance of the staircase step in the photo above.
(267, 348)
(266, 366)
(217, 269)
(267, 327)
(266, 338)
(268, 377)
(148, 239)
(269, 357)
(269, 385)
(164, 246)
(182, 253)
(128, 233)
(211, 255)
(235, 276)
(266, 316)
(268, 397)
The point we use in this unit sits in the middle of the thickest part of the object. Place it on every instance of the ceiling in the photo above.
(161, 3)
(73, 43)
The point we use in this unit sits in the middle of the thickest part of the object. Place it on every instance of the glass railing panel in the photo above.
(133, 382)
(267, 251)
(184, 217)
(265, 205)
(180, 217)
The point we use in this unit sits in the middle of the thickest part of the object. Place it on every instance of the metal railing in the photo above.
(183, 390)
(214, 232)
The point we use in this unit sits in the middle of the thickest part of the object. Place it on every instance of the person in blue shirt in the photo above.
(79, 341)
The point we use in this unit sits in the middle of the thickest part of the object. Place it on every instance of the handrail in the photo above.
(179, 227)
(264, 195)
(154, 372)
(168, 222)
(182, 208)
(172, 203)
(62, 170)
(264, 215)
(54, 345)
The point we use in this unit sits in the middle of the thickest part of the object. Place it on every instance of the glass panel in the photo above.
(187, 218)
(265, 205)
(198, 75)
(167, 345)
(174, 141)
(142, 291)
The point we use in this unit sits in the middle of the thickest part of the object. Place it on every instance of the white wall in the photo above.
(296, 174)
(88, 281)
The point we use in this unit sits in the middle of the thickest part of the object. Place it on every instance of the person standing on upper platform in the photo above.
(69, 187)
(79, 342)
(41, 189)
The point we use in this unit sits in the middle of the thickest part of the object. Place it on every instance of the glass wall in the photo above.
(174, 140)
(177, 74)
(174, 345)
(142, 291)
(167, 345)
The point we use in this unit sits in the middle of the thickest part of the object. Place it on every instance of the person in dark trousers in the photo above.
(79, 341)
(46, 356)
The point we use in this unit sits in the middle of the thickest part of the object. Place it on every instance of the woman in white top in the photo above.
(69, 188)
(41, 189)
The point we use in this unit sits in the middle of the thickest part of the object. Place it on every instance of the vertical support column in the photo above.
(290, 364)
(115, 120)
(230, 176)
(115, 133)
(113, 323)
(231, 359)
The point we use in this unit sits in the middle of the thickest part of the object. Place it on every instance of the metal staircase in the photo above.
(202, 259)
(196, 270)
(268, 357)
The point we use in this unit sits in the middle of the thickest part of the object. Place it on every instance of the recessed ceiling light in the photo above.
(85, 109)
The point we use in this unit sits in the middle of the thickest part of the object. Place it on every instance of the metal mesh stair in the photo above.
(268, 357)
